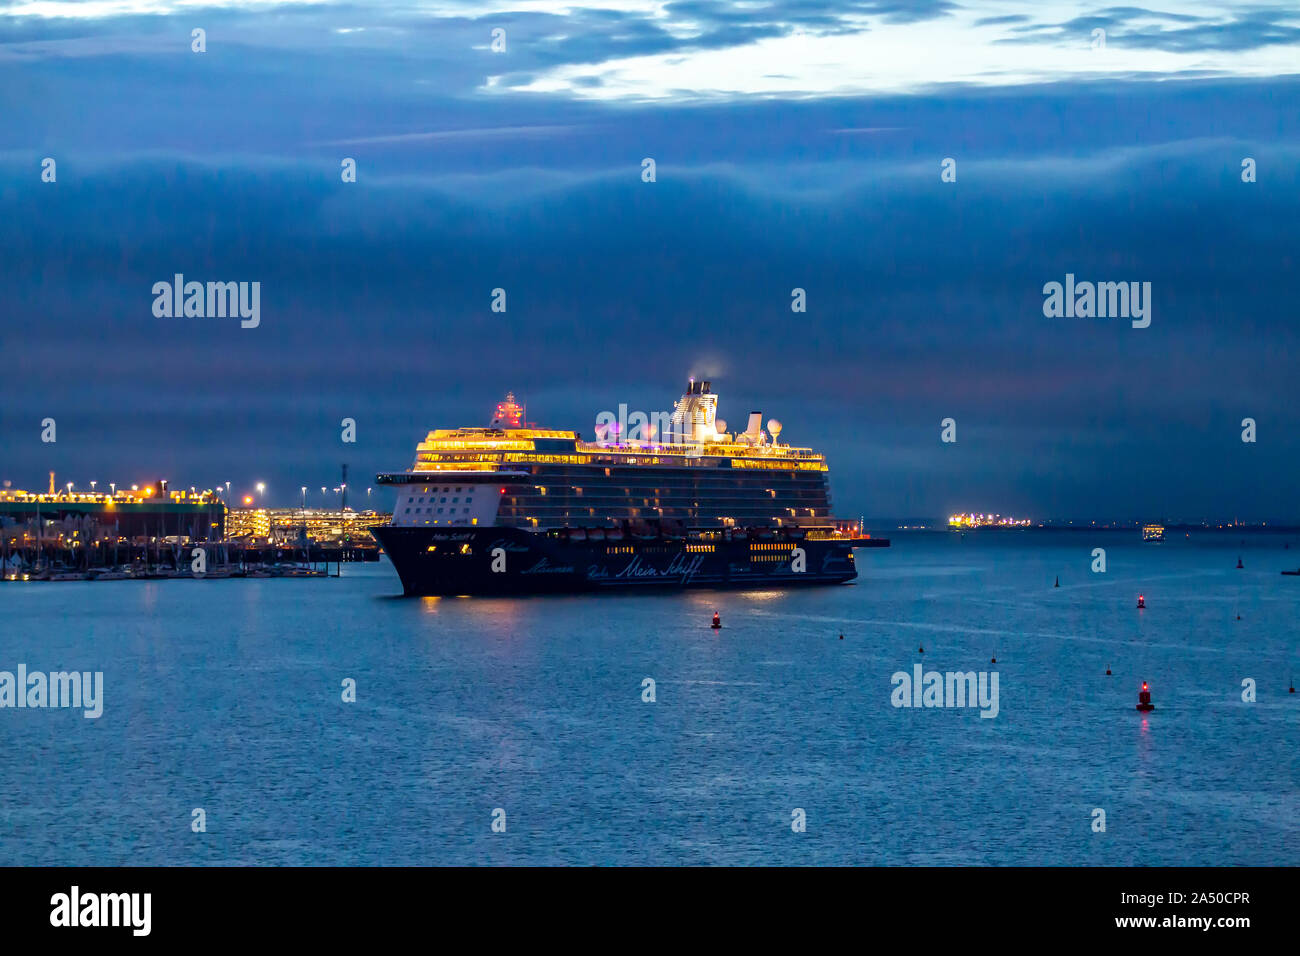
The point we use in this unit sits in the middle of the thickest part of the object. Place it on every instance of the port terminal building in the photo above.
(71, 518)
(328, 528)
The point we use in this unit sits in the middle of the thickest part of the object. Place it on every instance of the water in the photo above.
(226, 695)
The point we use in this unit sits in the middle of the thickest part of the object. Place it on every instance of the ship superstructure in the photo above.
(680, 501)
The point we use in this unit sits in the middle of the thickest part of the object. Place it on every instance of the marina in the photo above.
(150, 532)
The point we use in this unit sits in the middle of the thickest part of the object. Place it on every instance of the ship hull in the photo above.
(507, 561)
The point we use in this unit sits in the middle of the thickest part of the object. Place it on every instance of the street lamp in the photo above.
(304, 497)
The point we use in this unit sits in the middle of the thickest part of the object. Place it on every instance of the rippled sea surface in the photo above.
(226, 696)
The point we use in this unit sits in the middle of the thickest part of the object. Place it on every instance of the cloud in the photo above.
(493, 132)
(692, 49)
(1139, 29)
(924, 301)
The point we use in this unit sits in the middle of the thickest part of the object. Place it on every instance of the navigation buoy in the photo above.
(717, 621)
(1144, 699)
(1239, 564)
(1058, 582)
(921, 649)
(1107, 671)
(994, 659)
(1141, 601)
(841, 637)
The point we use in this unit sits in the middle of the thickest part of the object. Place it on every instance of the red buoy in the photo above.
(717, 621)
(1144, 699)
(1107, 671)
(1239, 564)
(1141, 601)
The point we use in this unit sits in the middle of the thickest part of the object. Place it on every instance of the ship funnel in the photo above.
(693, 417)
(755, 425)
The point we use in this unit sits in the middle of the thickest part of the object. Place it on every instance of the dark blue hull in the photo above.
(500, 561)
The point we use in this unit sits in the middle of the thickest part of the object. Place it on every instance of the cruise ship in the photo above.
(675, 502)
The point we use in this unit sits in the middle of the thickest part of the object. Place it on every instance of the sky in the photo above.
(797, 144)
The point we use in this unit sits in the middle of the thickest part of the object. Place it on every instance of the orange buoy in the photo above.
(717, 621)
